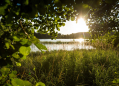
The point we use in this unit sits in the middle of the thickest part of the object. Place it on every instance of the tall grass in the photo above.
(93, 67)
(106, 41)
(71, 68)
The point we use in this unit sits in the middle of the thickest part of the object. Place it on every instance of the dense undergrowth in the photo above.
(71, 68)
(93, 67)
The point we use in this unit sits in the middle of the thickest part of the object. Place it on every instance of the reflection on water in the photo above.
(62, 40)
(80, 40)
(63, 46)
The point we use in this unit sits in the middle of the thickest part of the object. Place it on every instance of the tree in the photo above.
(17, 30)
(104, 19)
(19, 19)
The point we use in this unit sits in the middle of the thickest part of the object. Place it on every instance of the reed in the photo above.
(71, 68)
(79, 67)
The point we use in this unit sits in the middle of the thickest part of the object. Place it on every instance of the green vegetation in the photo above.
(106, 41)
(95, 67)
(59, 42)
(78, 35)
(18, 20)
(71, 68)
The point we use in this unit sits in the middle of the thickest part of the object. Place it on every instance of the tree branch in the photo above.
(20, 22)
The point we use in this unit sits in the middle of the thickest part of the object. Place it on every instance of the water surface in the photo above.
(63, 46)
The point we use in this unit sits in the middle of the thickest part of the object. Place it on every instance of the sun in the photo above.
(81, 22)
(73, 27)
(81, 26)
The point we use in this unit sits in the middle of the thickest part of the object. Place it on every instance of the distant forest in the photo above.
(68, 36)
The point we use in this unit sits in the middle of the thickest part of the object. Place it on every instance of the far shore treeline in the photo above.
(61, 36)
(68, 36)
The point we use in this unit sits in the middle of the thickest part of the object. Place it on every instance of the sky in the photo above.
(73, 27)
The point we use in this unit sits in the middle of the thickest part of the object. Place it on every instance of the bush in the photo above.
(107, 41)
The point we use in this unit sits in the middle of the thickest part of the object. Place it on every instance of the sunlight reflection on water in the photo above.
(63, 46)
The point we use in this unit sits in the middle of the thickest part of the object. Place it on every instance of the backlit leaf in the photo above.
(20, 82)
(15, 55)
(24, 41)
(12, 47)
(18, 64)
(40, 84)
(4, 70)
(24, 50)
(16, 38)
(7, 45)
(40, 46)
(26, 2)
(13, 74)
(23, 58)
(35, 40)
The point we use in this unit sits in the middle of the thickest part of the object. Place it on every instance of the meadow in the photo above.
(80, 67)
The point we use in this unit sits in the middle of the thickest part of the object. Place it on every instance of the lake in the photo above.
(78, 44)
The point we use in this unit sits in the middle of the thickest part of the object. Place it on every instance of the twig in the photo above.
(23, 28)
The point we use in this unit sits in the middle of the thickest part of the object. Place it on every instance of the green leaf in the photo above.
(63, 24)
(24, 50)
(20, 82)
(2, 9)
(13, 74)
(17, 13)
(18, 64)
(32, 30)
(24, 41)
(15, 55)
(117, 80)
(36, 15)
(4, 70)
(35, 40)
(40, 84)
(85, 6)
(12, 47)
(114, 81)
(15, 38)
(40, 46)
(23, 58)
(7, 45)
(34, 68)
(72, 18)
(29, 43)
(56, 1)
(26, 2)
(8, 1)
